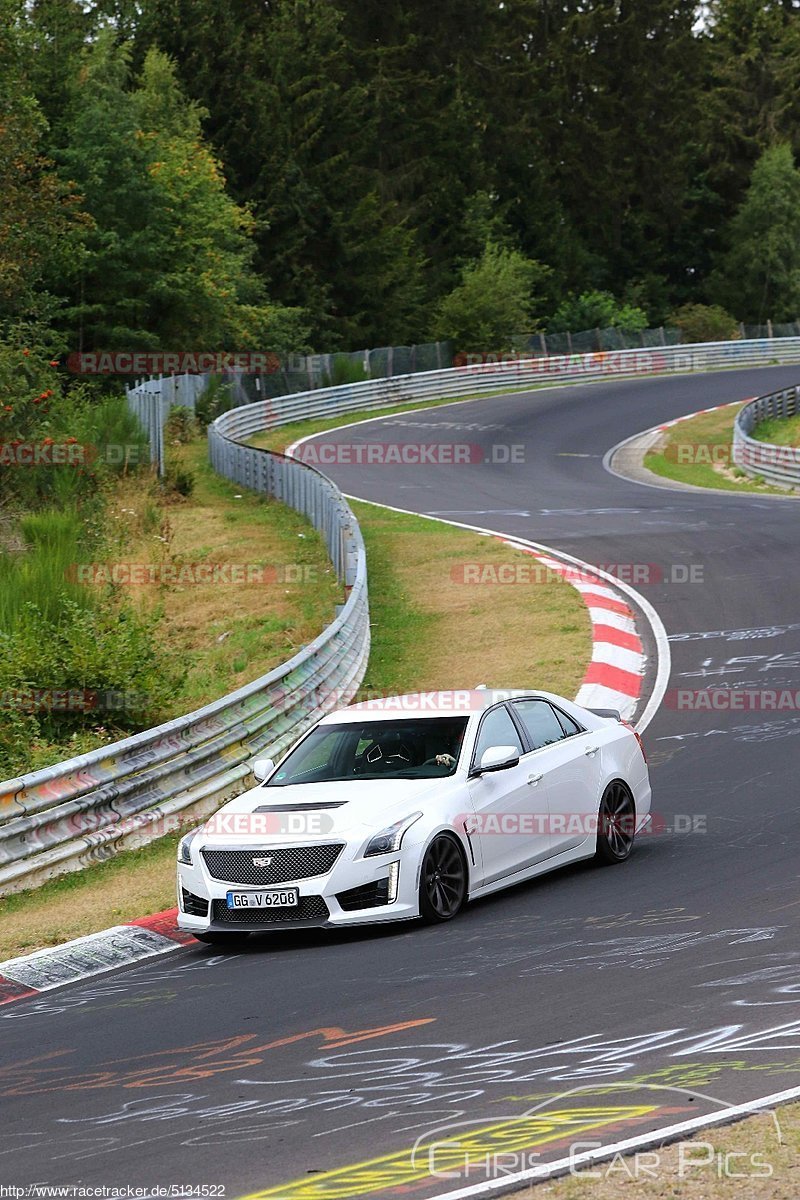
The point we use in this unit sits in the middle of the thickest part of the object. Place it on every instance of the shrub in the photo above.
(597, 310)
(181, 426)
(176, 480)
(215, 399)
(106, 651)
(704, 323)
(493, 302)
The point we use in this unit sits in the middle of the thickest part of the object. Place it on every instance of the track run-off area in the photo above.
(588, 1007)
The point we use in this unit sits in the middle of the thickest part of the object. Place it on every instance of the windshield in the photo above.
(403, 749)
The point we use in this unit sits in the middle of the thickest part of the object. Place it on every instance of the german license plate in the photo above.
(286, 898)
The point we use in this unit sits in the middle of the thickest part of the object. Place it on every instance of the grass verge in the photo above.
(698, 452)
(429, 630)
(228, 634)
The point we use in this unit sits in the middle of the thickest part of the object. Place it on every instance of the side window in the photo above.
(540, 721)
(569, 726)
(497, 729)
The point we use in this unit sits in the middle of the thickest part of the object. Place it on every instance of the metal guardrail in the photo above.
(84, 810)
(779, 465)
(480, 379)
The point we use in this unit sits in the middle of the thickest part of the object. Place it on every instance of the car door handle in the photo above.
(591, 750)
(534, 779)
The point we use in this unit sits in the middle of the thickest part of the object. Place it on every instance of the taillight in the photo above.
(628, 725)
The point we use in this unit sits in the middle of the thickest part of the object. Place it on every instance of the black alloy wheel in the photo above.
(443, 881)
(616, 824)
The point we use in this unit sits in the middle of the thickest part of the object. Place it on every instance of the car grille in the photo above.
(310, 908)
(369, 895)
(286, 864)
(193, 906)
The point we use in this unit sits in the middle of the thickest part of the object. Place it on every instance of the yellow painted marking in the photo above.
(451, 1156)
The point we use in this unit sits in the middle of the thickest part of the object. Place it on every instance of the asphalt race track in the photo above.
(585, 1007)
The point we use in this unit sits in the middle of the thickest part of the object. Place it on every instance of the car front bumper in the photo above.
(345, 896)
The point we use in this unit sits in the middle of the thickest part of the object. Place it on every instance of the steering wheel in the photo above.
(375, 759)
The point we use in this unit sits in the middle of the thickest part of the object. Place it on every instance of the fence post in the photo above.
(769, 328)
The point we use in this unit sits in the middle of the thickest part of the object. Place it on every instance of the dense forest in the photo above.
(333, 174)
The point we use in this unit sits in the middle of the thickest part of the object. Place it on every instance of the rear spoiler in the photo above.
(606, 712)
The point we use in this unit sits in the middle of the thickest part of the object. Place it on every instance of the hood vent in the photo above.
(309, 806)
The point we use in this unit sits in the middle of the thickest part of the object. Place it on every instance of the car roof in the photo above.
(458, 702)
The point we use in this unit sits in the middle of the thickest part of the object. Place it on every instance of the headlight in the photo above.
(390, 839)
(184, 853)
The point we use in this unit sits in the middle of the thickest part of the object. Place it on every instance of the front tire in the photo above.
(616, 825)
(443, 881)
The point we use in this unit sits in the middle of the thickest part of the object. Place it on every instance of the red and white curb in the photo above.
(616, 672)
(701, 412)
(119, 946)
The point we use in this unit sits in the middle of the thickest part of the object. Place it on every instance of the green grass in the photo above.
(704, 437)
(40, 573)
(779, 431)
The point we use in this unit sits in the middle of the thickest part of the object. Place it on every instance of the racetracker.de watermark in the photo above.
(71, 453)
(179, 362)
(566, 824)
(410, 454)
(71, 700)
(531, 572)
(733, 699)
(183, 574)
(740, 454)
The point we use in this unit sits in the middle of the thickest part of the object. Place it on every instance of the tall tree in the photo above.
(128, 245)
(206, 274)
(622, 82)
(752, 99)
(288, 117)
(59, 32)
(39, 227)
(760, 275)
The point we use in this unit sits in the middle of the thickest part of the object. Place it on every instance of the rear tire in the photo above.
(616, 825)
(443, 881)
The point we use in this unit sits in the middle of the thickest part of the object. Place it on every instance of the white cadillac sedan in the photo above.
(411, 806)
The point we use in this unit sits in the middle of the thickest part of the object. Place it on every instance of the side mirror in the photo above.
(498, 758)
(262, 767)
